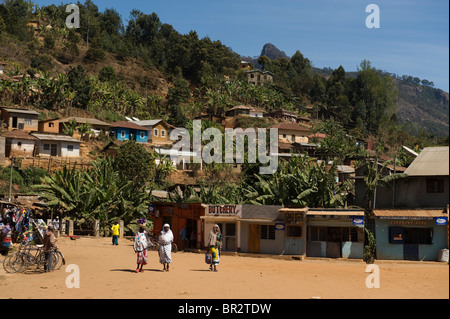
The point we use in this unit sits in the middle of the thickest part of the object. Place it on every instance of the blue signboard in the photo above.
(358, 220)
(151, 209)
(440, 220)
(279, 226)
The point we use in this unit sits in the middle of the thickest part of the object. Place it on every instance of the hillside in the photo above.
(149, 70)
(420, 106)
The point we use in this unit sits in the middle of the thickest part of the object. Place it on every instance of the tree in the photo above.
(134, 163)
(79, 82)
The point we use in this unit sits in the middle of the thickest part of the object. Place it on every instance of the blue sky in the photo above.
(413, 37)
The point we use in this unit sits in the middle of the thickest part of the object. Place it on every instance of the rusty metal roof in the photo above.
(410, 213)
(432, 161)
(336, 212)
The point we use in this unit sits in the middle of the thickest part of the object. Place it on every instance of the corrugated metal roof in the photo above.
(336, 212)
(265, 212)
(432, 161)
(84, 120)
(147, 122)
(130, 125)
(61, 138)
(12, 110)
(19, 134)
(409, 212)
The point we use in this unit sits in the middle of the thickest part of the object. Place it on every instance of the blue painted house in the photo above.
(410, 234)
(125, 131)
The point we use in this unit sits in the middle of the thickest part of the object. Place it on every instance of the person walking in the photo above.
(49, 246)
(140, 246)
(115, 233)
(165, 247)
(215, 245)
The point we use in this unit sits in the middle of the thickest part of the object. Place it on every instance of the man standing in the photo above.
(49, 246)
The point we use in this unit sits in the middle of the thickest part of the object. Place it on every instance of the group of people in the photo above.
(142, 242)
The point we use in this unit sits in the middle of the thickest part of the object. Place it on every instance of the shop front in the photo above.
(294, 230)
(335, 233)
(414, 234)
(179, 216)
(227, 217)
(262, 230)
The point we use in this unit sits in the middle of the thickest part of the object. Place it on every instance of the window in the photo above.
(419, 236)
(19, 144)
(122, 134)
(70, 148)
(155, 132)
(293, 231)
(142, 135)
(268, 232)
(435, 185)
(27, 121)
(51, 124)
(163, 133)
(46, 147)
(293, 137)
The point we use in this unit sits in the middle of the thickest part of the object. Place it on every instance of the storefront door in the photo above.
(254, 232)
(333, 249)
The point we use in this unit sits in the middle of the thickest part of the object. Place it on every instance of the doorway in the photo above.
(53, 149)
(254, 231)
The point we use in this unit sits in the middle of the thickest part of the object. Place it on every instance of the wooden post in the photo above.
(120, 228)
(70, 228)
(63, 226)
(97, 228)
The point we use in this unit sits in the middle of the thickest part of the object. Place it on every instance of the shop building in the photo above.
(410, 234)
(335, 233)
(179, 215)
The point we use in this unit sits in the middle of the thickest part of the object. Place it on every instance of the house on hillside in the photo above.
(292, 133)
(97, 126)
(19, 143)
(245, 110)
(21, 119)
(159, 131)
(284, 115)
(383, 197)
(56, 145)
(49, 126)
(258, 77)
(125, 131)
(426, 184)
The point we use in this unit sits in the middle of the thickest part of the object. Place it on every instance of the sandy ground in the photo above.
(107, 272)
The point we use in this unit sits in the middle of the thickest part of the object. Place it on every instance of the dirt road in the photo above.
(107, 271)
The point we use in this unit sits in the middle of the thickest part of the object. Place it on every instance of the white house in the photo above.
(57, 145)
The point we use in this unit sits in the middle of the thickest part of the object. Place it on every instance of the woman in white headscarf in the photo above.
(165, 246)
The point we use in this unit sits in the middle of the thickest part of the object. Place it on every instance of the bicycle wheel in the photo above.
(59, 260)
(9, 263)
(174, 248)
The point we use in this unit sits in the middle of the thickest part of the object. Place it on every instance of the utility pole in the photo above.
(10, 178)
